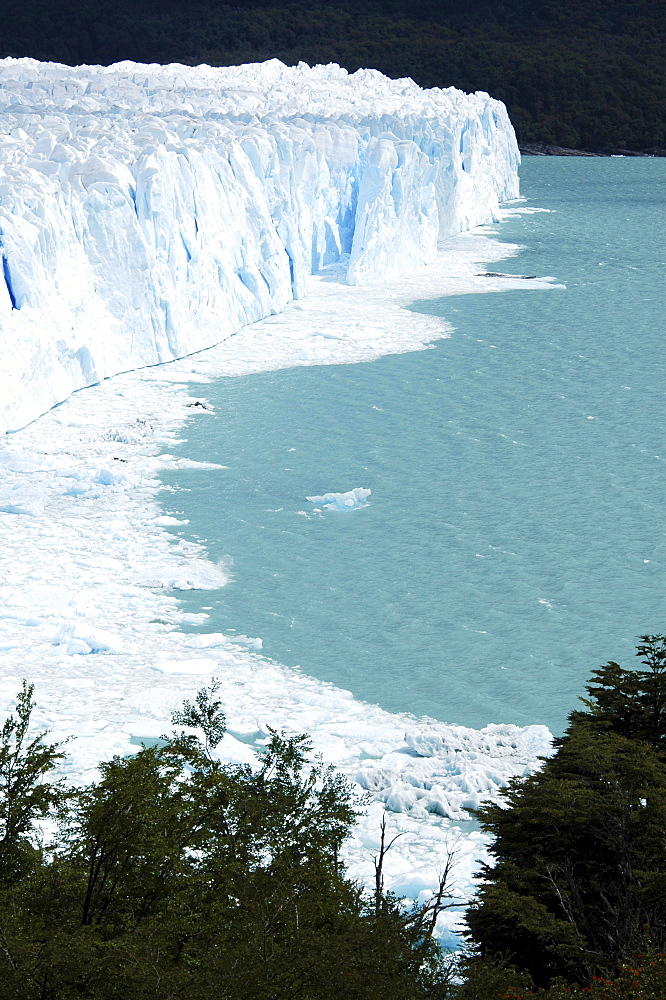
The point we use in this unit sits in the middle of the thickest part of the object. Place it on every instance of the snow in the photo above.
(148, 212)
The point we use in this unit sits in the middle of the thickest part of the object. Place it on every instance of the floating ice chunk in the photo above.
(145, 730)
(21, 500)
(83, 638)
(186, 574)
(247, 640)
(351, 500)
(209, 640)
(233, 751)
(496, 740)
(177, 462)
(24, 461)
(447, 770)
(332, 748)
(88, 746)
(197, 665)
(109, 477)
(77, 647)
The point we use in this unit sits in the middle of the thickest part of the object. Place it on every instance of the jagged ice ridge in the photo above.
(148, 212)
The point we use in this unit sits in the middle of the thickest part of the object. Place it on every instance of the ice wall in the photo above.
(147, 212)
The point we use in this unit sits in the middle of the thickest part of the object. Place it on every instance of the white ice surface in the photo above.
(147, 212)
(351, 500)
(86, 564)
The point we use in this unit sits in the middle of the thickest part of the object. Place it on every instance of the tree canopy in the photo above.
(175, 875)
(578, 887)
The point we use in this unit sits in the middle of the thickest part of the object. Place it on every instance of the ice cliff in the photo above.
(147, 212)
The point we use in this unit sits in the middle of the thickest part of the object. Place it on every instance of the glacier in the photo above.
(148, 212)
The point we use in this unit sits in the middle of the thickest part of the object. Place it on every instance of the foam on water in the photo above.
(88, 565)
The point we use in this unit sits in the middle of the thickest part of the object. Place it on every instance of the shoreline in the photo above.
(90, 569)
(546, 149)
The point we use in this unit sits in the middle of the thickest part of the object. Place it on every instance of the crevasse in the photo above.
(148, 212)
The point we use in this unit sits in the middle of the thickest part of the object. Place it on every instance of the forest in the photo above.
(580, 74)
(178, 876)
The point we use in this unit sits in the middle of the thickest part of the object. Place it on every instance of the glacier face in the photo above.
(148, 212)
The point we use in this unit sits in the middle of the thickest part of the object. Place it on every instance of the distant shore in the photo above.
(544, 149)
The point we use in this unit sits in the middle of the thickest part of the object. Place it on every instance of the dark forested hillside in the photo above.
(587, 74)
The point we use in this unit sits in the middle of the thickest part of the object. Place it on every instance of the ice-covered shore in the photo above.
(147, 212)
(88, 571)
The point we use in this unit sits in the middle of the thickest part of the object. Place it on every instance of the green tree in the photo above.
(579, 881)
(176, 875)
(25, 795)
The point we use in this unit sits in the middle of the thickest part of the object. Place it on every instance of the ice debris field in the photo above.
(287, 216)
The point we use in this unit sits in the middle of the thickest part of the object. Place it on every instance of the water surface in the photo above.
(515, 534)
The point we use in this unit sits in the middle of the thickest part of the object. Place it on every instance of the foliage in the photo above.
(587, 74)
(205, 714)
(24, 795)
(631, 703)
(642, 979)
(175, 875)
(579, 883)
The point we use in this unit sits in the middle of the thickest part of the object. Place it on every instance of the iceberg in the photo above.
(351, 500)
(148, 212)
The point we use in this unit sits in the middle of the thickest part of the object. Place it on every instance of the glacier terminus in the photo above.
(148, 212)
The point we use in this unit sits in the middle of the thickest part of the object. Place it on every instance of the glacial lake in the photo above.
(515, 534)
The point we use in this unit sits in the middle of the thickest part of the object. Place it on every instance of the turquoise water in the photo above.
(515, 535)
